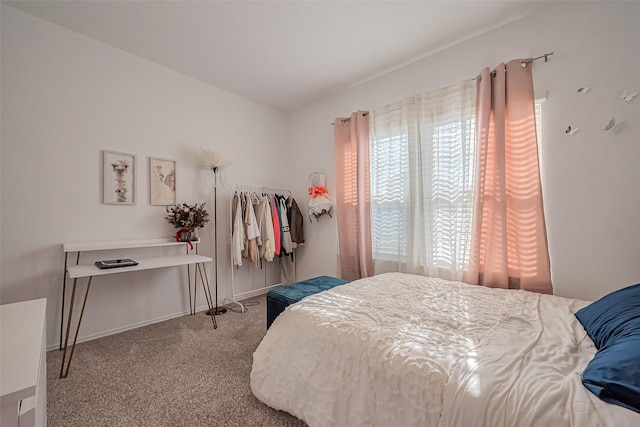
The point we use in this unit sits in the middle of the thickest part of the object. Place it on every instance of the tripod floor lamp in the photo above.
(215, 160)
(217, 310)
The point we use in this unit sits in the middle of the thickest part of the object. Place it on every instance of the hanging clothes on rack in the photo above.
(277, 229)
(243, 215)
(285, 239)
(261, 219)
(255, 203)
(287, 268)
(237, 232)
(252, 230)
(265, 225)
(296, 222)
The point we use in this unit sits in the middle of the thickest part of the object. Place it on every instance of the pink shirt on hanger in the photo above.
(276, 225)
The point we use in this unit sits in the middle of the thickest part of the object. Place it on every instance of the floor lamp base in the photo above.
(217, 311)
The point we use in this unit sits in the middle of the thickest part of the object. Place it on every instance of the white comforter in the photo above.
(405, 350)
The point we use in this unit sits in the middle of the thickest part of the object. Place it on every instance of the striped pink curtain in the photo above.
(509, 239)
(352, 194)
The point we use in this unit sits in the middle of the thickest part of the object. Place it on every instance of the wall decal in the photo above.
(628, 97)
(571, 130)
(611, 124)
(614, 127)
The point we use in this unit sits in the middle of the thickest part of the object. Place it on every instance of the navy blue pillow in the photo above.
(611, 315)
(614, 373)
(613, 323)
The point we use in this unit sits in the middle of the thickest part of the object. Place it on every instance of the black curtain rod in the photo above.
(545, 56)
(348, 119)
(524, 64)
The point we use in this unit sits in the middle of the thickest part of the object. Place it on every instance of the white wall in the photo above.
(590, 190)
(65, 98)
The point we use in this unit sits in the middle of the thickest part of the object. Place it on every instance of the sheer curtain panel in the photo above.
(509, 234)
(352, 195)
(422, 152)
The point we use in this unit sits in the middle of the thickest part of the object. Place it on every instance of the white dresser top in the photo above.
(21, 329)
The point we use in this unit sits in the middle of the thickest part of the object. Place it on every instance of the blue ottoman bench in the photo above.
(280, 298)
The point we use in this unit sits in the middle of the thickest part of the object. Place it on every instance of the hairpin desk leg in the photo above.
(207, 292)
(64, 290)
(63, 372)
(191, 303)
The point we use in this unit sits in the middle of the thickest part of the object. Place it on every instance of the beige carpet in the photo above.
(180, 372)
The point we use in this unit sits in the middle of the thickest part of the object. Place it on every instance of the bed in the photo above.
(405, 350)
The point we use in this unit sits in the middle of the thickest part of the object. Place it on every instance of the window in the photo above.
(422, 168)
(389, 163)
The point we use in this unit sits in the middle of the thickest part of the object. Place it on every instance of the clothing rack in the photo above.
(258, 189)
(249, 188)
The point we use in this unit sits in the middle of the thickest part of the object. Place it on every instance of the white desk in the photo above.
(88, 270)
(78, 271)
(23, 361)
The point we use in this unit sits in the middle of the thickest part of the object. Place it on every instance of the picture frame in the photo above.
(119, 178)
(162, 181)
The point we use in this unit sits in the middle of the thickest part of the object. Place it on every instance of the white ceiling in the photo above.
(284, 54)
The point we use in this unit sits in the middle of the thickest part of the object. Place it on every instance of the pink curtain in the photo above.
(509, 239)
(352, 194)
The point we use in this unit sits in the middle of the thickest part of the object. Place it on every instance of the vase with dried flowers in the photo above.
(187, 218)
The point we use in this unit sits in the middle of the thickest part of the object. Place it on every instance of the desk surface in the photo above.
(143, 264)
(22, 327)
(121, 244)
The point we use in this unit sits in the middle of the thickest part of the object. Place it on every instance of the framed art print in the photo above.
(119, 171)
(162, 181)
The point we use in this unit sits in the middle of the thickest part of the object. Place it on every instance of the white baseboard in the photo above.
(239, 297)
(255, 292)
(129, 327)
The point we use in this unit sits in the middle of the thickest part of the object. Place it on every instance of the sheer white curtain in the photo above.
(422, 160)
